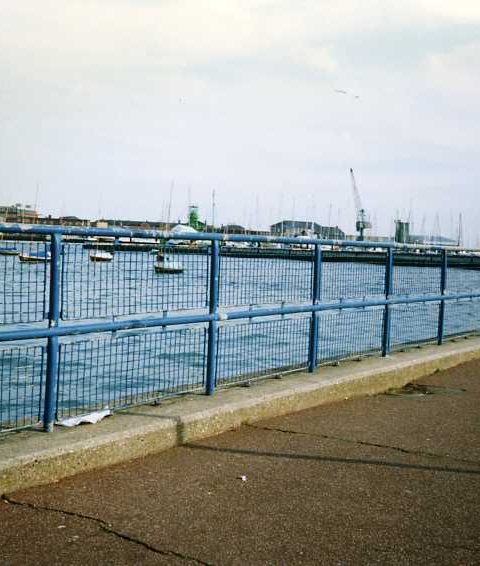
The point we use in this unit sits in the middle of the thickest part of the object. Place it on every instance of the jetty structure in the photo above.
(416, 258)
(333, 251)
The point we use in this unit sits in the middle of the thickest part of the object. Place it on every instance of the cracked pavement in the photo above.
(380, 480)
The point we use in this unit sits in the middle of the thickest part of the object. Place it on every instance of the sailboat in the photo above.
(8, 250)
(100, 255)
(35, 257)
(165, 264)
(40, 256)
(97, 255)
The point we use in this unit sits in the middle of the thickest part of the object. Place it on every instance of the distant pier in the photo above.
(408, 259)
(403, 258)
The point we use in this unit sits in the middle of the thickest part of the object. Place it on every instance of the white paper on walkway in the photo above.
(90, 418)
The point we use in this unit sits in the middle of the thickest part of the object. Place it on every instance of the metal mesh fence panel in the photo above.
(348, 280)
(416, 280)
(24, 273)
(131, 283)
(129, 370)
(255, 349)
(348, 333)
(413, 323)
(22, 381)
(255, 281)
(462, 316)
(134, 367)
(462, 280)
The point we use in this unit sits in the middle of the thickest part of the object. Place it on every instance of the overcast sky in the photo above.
(268, 102)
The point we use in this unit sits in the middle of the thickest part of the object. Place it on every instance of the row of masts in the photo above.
(363, 220)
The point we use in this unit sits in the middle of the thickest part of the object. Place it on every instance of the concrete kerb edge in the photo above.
(63, 455)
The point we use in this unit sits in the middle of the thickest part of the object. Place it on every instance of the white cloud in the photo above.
(319, 58)
(457, 71)
(458, 11)
(91, 91)
(57, 35)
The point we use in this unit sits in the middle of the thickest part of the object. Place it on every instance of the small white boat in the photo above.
(167, 265)
(99, 255)
(35, 257)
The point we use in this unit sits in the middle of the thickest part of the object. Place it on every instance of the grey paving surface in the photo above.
(381, 480)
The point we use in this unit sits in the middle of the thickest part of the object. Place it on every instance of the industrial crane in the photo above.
(363, 222)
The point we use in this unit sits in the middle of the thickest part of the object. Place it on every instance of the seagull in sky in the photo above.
(341, 91)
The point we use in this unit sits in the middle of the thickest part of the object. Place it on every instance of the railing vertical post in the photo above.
(387, 313)
(213, 324)
(443, 287)
(316, 287)
(52, 343)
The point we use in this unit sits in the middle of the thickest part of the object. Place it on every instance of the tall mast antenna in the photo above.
(460, 230)
(169, 213)
(213, 209)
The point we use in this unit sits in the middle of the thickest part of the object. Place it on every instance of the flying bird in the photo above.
(341, 91)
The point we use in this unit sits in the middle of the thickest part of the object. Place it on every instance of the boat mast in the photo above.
(172, 184)
(213, 210)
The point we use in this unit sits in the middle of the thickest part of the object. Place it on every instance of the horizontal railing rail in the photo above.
(208, 319)
(257, 312)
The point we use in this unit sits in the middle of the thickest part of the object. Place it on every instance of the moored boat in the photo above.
(167, 265)
(99, 255)
(8, 250)
(34, 257)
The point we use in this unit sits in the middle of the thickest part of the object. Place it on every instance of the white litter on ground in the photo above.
(90, 418)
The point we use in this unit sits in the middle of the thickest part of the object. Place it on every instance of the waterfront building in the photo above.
(306, 228)
(233, 229)
(19, 213)
(431, 240)
(63, 221)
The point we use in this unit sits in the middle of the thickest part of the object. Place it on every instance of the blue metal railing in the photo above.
(117, 334)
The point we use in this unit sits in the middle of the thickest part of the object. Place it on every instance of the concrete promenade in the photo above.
(383, 479)
(33, 458)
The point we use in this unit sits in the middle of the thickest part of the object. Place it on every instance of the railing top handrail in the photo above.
(45, 229)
